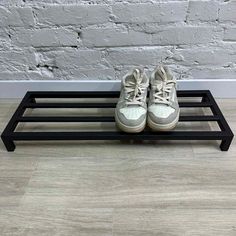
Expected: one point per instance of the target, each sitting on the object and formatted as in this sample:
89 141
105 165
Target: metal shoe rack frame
9 135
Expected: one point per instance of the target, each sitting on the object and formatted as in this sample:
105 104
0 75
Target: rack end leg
225 144
9 144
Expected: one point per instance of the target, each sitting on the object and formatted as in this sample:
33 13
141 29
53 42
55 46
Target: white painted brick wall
102 39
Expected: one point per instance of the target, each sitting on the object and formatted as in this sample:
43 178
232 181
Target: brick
89 74
79 58
73 14
140 56
186 35
230 34
16 16
203 56
227 12
203 11
10 2
146 12
17 60
108 37
45 37
213 73
20 75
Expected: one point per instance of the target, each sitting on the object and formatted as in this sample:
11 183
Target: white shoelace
162 95
134 91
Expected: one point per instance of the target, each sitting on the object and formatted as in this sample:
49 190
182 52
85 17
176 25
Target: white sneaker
163 107
131 109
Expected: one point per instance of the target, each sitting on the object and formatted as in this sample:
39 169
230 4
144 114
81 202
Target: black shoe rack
10 134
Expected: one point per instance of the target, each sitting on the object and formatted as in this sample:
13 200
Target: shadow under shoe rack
9 135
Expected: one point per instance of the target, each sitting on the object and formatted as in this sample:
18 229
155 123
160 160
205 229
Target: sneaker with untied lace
131 109
163 107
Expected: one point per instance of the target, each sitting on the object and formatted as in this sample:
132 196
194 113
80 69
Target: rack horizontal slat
101 118
73 94
198 118
192 93
70 105
102 94
67 119
194 104
101 105
146 135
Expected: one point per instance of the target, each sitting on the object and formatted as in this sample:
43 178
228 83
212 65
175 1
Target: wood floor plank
56 221
171 222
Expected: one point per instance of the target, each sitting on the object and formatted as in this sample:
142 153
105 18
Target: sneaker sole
130 129
160 127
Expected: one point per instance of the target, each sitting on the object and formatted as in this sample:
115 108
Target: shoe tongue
135 78
132 81
161 73
160 77
138 75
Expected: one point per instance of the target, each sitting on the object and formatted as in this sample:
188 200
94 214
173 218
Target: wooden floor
121 189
